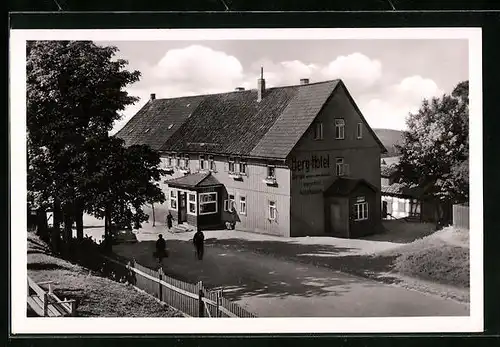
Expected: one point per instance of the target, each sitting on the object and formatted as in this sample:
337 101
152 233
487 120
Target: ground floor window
402 205
208 203
192 203
243 205
272 210
173 199
361 211
229 203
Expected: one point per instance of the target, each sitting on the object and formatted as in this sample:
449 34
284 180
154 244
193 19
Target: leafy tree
120 181
435 149
74 93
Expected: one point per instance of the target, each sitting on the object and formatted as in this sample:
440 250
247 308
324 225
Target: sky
388 79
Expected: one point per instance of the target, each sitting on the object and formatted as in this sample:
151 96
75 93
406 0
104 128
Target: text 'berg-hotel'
288 161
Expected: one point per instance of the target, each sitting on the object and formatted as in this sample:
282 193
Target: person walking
198 240
170 218
161 251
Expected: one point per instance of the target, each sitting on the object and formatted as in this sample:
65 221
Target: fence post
73 308
45 304
160 286
201 304
219 302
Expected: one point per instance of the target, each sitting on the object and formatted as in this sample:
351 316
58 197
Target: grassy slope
389 138
96 296
442 257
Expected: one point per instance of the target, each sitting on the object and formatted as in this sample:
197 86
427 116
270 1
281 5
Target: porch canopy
194 181
344 186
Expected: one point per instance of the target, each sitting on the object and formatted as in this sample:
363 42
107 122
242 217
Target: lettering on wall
311 164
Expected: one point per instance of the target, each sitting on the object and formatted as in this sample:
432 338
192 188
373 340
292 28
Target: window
339 166
208 203
229 203
202 162
243 205
318 131
272 210
186 161
243 168
271 172
232 167
192 203
402 205
361 211
173 199
170 161
178 161
339 128
211 162
182 163
359 131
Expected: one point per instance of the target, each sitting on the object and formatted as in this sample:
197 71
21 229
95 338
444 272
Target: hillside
389 138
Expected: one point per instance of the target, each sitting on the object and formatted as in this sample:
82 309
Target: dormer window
339 129
318 131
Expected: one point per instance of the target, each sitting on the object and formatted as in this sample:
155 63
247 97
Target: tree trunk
42 225
79 220
153 206
56 229
107 229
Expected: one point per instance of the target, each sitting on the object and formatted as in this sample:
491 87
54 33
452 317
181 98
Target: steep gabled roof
158 120
195 180
294 121
233 123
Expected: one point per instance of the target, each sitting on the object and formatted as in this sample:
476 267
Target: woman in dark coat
170 218
198 240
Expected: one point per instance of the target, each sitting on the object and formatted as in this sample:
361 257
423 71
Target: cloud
393 104
356 70
197 69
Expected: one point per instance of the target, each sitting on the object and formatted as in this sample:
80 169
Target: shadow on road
245 268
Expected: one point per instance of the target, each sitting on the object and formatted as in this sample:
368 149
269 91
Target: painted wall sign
307 165
312 187
360 199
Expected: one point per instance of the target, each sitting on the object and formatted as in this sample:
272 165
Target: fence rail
192 299
461 216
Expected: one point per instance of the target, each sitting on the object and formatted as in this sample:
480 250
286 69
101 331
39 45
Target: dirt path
278 287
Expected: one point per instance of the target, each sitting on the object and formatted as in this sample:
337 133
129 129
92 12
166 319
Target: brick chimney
153 96
261 85
304 81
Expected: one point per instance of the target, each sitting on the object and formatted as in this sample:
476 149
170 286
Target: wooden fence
461 216
193 300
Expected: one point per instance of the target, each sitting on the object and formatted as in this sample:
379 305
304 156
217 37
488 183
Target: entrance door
335 219
182 207
384 209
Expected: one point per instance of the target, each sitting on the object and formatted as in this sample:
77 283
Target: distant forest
389 138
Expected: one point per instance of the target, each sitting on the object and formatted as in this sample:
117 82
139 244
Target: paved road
279 288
